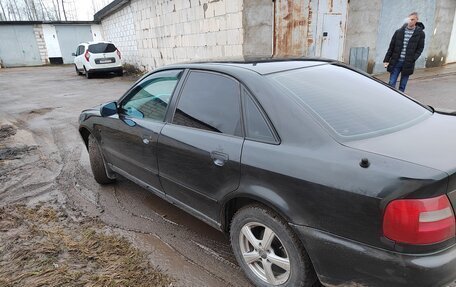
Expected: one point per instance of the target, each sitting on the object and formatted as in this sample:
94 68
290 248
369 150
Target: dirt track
42 159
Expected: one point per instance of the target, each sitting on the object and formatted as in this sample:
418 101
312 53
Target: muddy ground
42 159
44 169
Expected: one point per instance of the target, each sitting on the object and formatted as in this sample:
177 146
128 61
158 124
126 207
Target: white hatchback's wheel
77 70
268 250
87 74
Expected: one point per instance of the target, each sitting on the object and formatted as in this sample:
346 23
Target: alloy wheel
264 253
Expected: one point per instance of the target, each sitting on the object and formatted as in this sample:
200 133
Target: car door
79 55
200 150
129 138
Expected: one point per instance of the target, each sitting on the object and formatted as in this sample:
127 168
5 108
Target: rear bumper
342 262
106 70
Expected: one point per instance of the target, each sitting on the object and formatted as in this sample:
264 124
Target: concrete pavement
432 86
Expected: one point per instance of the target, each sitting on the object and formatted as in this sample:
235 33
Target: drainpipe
273 28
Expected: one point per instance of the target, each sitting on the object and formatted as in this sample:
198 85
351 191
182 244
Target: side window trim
175 97
246 93
175 100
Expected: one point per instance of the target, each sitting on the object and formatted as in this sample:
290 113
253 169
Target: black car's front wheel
97 163
268 250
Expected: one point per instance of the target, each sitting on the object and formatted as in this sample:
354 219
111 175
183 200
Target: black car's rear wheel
268 250
97 163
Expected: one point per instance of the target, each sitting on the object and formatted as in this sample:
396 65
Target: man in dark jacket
404 49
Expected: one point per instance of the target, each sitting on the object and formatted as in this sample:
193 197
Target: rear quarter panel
325 187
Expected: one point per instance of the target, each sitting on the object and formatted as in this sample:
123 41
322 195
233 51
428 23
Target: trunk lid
431 143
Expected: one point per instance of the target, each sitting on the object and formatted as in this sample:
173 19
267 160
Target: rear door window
100 48
211 102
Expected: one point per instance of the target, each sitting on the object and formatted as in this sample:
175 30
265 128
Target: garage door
69 38
18 46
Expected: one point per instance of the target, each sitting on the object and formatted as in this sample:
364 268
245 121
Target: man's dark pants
395 74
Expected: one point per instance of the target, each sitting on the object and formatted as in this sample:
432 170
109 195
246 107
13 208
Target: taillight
87 55
118 53
419 221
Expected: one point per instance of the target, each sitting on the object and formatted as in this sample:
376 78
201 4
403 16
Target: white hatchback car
97 57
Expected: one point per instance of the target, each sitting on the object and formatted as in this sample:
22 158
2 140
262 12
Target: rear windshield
102 48
349 104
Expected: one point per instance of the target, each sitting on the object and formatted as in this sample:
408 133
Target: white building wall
38 30
119 28
97 32
451 57
166 32
51 40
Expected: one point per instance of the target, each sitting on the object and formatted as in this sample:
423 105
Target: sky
85 9
75 10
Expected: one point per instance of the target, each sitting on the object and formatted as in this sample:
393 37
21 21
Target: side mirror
73 54
108 109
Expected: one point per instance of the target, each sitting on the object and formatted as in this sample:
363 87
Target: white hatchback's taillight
87 55
118 54
419 221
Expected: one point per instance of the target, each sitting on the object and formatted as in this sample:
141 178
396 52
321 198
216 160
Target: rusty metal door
291 22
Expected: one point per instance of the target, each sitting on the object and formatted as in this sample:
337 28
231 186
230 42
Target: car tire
120 73
97 163
87 74
77 70
250 224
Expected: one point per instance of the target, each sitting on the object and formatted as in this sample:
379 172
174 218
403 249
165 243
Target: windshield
349 104
102 48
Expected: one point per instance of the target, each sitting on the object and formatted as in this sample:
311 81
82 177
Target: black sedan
316 171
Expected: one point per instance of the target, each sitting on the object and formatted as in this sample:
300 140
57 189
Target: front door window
150 98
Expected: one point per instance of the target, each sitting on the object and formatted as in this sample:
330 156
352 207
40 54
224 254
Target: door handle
219 158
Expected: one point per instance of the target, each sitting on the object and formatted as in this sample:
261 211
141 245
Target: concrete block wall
362 28
443 24
39 36
119 28
177 31
258 20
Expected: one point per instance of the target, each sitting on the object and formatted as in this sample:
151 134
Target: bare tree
3 15
28 11
35 10
63 9
12 13
57 9
45 11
